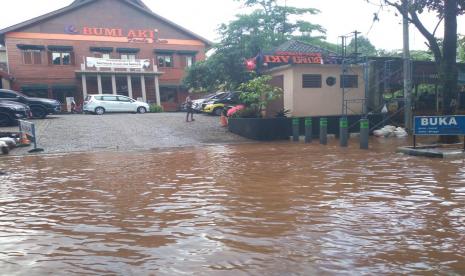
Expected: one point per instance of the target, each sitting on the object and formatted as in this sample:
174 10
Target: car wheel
5 120
141 110
99 110
38 112
218 111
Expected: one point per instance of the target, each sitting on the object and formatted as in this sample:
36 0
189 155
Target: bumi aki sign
439 125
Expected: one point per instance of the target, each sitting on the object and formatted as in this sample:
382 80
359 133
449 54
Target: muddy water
260 209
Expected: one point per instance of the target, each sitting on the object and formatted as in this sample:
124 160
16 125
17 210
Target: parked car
217 106
197 104
101 103
40 107
11 112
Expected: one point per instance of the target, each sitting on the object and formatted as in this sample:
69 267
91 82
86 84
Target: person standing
189 108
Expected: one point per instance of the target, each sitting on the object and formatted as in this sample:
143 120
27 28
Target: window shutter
27 57
72 58
311 81
183 62
349 81
50 58
37 57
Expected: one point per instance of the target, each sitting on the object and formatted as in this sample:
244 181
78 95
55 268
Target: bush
154 108
248 112
256 95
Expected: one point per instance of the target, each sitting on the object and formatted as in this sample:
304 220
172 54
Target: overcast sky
338 17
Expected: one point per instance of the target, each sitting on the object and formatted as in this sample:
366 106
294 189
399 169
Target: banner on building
93 62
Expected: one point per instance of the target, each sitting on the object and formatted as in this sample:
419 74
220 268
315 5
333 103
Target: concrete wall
326 100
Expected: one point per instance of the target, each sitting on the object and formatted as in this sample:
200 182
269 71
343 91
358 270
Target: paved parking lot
75 133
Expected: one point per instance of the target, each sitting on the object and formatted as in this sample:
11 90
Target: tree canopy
267 26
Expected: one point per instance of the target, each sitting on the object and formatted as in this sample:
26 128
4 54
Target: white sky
339 17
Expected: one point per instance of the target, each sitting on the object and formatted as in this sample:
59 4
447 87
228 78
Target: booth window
311 81
165 60
61 58
32 56
349 81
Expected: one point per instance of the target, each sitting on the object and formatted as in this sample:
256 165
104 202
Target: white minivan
101 103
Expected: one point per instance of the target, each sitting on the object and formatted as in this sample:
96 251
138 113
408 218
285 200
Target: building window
168 94
165 60
128 56
311 81
32 57
102 55
349 81
61 58
189 61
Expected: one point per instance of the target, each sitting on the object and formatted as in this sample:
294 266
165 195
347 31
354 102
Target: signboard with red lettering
133 35
293 58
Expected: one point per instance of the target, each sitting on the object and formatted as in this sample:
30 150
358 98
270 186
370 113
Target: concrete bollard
308 130
343 132
295 130
323 131
364 133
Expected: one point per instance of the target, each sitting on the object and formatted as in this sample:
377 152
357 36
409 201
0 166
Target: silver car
101 103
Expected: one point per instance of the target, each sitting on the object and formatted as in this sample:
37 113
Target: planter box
269 129
262 129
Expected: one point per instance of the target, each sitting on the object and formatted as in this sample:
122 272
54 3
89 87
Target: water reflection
242 209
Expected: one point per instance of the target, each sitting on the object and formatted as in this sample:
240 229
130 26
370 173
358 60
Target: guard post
323 131
364 133
295 129
343 131
308 130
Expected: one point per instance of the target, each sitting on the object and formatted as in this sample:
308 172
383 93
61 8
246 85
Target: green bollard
343 132
308 130
364 133
323 131
295 130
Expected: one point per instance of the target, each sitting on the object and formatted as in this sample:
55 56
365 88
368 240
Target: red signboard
294 58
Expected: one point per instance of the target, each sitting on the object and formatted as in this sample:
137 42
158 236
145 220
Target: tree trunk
448 74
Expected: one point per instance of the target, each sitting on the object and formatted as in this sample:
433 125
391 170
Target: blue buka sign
439 125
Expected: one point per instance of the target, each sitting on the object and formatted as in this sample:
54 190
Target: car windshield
221 96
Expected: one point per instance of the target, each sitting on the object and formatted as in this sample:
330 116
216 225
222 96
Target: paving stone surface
81 133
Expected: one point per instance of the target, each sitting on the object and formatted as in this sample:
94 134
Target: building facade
102 46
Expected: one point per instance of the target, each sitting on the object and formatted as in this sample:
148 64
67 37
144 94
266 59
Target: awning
128 50
60 48
56 87
32 87
193 53
160 51
30 47
101 49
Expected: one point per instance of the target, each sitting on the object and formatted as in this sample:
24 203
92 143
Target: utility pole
407 69
356 42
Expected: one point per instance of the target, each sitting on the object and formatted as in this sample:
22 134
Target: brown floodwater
255 209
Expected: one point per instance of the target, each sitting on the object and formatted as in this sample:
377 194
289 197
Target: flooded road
255 209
